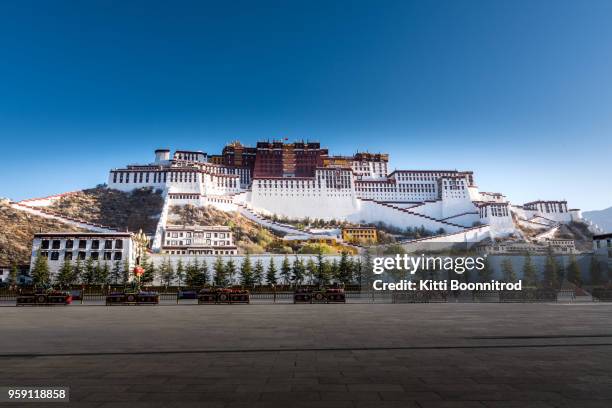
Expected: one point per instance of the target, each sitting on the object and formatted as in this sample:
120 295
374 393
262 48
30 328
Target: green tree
334 270
150 271
102 273
40 271
246 272
285 271
560 267
344 269
367 274
220 277
125 273
529 273
573 271
551 279
89 273
77 271
180 272
116 273
65 274
298 271
357 268
230 271
311 270
258 272
486 273
320 269
328 271
271 273
595 272
202 273
508 270
13 279
191 273
166 272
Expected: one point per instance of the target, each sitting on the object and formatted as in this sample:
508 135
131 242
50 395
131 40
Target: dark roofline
189 151
82 234
431 171
546 201
602 236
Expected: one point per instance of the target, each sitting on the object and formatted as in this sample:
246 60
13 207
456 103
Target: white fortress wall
474 194
429 208
466 219
298 204
468 236
159 259
557 217
128 180
161 224
372 212
499 217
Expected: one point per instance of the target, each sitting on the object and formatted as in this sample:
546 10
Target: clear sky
520 92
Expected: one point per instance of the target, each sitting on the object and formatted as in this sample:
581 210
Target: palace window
68 256
69 243
45 244
54 256
81 255
95 244
107 256
95 256
82 244
108 244
44 254
118 244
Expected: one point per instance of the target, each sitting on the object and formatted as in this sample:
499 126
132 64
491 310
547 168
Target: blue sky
520 92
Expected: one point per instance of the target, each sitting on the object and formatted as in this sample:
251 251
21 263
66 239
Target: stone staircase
408 211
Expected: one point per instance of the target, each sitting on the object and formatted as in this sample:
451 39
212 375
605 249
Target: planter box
205 298
243 297
602 294
223 296
318 296
142 298
147 298
335 296
528 295
26 300
44 299
302 297
115 298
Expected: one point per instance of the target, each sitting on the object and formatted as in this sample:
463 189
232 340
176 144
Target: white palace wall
429 208
297 204
467 220
564 217
372 212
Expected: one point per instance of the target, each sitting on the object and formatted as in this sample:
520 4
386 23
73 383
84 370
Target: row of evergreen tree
554 272
199 273
295 272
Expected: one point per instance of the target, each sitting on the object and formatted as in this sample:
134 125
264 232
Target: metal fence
284 297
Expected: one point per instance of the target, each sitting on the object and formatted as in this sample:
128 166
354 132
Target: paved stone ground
354 355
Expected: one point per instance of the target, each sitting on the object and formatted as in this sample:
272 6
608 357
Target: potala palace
301 179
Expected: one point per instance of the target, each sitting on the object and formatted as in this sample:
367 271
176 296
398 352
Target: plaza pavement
352 355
